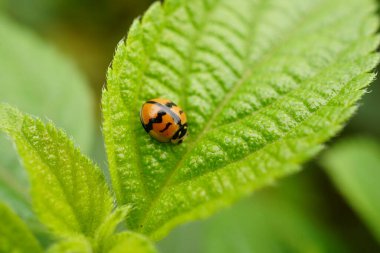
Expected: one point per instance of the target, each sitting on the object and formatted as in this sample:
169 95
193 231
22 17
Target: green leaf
107 229
129 242
69 192
263 83
105 240
354 166
72 245
14 234
38 79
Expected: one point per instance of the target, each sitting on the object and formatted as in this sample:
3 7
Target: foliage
39 80
354 166
264 84
13 231
69 193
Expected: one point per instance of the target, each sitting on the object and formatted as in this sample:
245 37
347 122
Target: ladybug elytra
164 120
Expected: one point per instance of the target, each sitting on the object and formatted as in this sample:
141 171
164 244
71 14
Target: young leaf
77 244
69 192
128 242
14 234
105 240
354 166
263 83
107 229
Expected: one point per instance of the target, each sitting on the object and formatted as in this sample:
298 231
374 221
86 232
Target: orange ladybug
164 120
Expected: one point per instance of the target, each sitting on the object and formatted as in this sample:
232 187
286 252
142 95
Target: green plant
264 85
38 79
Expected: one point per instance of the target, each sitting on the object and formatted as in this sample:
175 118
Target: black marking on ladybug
157 119
175 136
170 104
180 112
166 108
181 132
166 127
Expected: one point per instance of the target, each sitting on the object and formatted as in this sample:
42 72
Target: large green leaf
14 234
264 84
354 166
69 192
39 80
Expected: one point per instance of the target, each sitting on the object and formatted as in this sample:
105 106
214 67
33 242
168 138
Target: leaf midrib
135 142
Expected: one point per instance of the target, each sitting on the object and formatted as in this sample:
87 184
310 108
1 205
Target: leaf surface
354 166
263 83
14 234
69 192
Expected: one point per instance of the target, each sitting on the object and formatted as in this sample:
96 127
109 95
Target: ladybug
164 120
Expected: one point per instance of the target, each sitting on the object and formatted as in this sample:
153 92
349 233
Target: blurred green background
67 45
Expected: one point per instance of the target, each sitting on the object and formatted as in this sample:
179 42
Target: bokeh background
302 213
